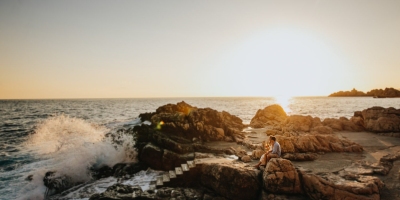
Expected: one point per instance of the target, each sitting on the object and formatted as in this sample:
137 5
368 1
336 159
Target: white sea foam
70 147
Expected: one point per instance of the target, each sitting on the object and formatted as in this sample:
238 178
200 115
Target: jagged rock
280 176
316 143
186 121
381 120
331 186
56 183
300 123
231 181
123 169
342 124
270 115
179 130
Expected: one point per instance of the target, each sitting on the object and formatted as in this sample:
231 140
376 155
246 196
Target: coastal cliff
377 93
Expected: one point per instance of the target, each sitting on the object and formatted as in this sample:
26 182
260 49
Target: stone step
159 181
178 171
166 177
185 167
172 174
191 164
152 185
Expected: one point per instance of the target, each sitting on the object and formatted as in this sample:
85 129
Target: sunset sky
132 49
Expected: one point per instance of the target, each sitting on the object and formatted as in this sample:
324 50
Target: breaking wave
70 147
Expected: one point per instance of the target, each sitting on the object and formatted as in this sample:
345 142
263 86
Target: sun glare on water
284 102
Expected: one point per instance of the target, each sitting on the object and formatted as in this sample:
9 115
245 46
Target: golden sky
119 49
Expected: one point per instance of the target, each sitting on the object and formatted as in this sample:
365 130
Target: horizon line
83 98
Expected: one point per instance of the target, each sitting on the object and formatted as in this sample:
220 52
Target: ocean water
68 136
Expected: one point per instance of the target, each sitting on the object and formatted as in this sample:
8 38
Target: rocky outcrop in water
177 131
379 93
56 183
276 117
380 120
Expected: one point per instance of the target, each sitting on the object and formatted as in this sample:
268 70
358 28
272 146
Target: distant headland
376 93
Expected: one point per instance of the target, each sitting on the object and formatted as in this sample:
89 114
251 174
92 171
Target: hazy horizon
193 49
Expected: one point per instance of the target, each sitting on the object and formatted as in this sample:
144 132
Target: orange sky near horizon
140 49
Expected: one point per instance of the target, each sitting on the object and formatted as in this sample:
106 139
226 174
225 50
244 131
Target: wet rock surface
126 192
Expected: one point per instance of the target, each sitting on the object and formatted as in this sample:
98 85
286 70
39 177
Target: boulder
56 183
316 143
299 123
186 121
270 115
231 181
280 176
178 130
381 120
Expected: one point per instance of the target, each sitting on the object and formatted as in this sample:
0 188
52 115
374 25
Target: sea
70 135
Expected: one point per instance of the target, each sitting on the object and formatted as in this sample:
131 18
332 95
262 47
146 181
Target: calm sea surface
56 120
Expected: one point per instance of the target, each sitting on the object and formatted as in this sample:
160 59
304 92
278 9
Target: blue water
20 118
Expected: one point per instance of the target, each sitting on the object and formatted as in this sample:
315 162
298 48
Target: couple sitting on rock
274 152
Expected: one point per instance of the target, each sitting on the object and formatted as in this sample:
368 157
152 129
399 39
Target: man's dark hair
273 138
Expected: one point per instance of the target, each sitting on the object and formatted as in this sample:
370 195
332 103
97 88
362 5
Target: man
274 152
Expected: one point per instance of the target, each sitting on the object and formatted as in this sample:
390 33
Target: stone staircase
172 175
177 176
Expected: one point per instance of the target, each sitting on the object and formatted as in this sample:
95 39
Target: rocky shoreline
206 154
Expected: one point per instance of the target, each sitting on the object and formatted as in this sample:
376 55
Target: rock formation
126 192
270 115
381 120
180 132
177 131
233 182
280 176
276 117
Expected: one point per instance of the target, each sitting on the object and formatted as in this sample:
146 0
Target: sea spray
70 147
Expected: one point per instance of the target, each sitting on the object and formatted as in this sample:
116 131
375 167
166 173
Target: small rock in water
29 178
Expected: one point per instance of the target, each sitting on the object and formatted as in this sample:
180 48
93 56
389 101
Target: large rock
343 124
316 143
186 121
233 182
56 182
381 120
280 176
331 186
270 115
179 130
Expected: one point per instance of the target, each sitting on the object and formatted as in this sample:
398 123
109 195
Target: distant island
376 93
